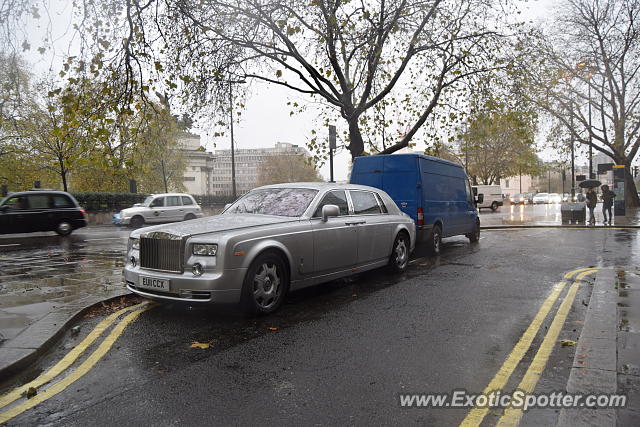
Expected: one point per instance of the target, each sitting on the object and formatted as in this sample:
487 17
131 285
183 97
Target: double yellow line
134 312
512 416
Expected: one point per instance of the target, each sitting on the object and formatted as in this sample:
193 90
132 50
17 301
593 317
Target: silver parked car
157 208
273 239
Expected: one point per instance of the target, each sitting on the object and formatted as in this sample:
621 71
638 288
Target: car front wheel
137 222
265 285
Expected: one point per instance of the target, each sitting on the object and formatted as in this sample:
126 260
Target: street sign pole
332 146
618 188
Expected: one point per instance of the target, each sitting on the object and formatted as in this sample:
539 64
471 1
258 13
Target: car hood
213 224
134 210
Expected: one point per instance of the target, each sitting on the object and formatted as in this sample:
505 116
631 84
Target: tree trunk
63 174
356 145
630 191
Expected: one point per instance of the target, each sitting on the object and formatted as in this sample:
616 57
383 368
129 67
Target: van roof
423 156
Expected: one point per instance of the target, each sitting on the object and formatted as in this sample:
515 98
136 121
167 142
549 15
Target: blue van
434 192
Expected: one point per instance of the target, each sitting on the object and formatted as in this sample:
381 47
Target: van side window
338 198
173 200
470 193
186 201
364 202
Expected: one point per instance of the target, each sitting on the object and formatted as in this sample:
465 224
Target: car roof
23 193
170 194
320 186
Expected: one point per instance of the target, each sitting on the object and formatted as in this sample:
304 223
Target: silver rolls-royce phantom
271 240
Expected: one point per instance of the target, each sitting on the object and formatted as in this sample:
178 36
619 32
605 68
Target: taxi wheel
137 222
64 228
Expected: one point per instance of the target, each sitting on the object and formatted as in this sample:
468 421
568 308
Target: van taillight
420 216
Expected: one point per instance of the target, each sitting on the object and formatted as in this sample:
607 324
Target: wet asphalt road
340 353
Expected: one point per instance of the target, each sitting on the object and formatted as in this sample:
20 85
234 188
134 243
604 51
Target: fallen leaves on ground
108 307
568 343
202 345
273 328
31 391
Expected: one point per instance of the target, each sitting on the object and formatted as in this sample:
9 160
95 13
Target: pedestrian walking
592 201
607 203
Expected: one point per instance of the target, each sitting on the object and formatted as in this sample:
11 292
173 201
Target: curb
13 367
575 227
594 368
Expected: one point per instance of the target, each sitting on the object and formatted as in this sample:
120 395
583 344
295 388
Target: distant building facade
210 172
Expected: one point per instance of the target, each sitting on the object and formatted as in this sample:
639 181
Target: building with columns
209 173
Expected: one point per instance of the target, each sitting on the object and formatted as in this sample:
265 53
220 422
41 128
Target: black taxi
42 210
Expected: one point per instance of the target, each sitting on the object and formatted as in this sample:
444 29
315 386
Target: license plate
154 283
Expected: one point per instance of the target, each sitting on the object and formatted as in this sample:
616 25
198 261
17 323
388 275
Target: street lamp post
233 156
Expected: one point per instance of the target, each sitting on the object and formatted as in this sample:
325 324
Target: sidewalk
607 358
546 216
42 294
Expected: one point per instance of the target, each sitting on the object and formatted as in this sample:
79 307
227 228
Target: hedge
113 202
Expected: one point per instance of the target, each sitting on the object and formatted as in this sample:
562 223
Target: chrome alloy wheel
401 254
266 285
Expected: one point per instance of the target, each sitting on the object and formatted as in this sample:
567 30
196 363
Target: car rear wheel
137 222
265 285
189 217
64 228
435 240
399 259
494 206
475 235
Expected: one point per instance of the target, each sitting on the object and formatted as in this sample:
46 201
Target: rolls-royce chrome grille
161 254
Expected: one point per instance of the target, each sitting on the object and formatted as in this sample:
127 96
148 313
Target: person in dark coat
592 201
607 203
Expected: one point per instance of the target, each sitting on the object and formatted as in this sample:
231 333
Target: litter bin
573 212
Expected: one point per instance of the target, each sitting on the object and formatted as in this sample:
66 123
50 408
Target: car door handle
356 223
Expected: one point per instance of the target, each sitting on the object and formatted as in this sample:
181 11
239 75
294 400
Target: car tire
137 221
494 206
399 259
434 245
189 217
64 228
265 285
474 236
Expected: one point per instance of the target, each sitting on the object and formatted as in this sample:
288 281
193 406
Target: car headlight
135 243
206 249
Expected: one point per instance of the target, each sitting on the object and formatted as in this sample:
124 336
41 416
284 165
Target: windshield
147 201
291 202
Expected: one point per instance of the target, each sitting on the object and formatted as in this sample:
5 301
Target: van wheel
475 235
64 228
494 206
265 285
399 259
435 240
137 222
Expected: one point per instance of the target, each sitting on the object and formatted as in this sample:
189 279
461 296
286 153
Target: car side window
39 201
364 202
173 201
186 201
338 198
382 205
60 201
16 203
157 203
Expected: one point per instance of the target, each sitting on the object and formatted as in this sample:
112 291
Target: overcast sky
266 119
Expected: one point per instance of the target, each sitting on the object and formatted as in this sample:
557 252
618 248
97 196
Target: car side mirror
480 199
329 211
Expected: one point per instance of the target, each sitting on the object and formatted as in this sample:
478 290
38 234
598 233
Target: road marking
78 373
68 359
10 244
512 416
477 414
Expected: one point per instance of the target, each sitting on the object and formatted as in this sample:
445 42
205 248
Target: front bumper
117 219
212 287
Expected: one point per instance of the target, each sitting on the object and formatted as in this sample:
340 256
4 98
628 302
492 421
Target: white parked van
492 196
